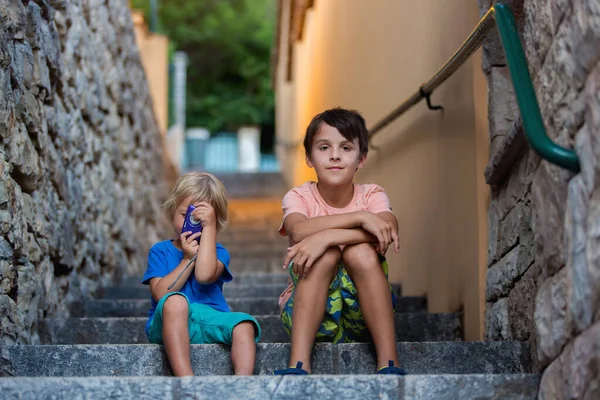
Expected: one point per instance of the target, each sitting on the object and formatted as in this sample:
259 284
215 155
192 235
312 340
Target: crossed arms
313 236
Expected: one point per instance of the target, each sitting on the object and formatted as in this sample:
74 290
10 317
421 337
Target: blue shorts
205 324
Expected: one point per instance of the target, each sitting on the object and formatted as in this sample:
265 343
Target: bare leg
362 263
176 336
310 298
243 348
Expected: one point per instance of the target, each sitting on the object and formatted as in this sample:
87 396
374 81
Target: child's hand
306 253
189 244
205 213
384 231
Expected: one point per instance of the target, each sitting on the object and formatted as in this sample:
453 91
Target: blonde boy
191 309
339 233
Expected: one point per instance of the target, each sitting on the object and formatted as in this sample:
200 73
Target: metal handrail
535 133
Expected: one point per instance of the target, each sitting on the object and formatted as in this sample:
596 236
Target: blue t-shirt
164 257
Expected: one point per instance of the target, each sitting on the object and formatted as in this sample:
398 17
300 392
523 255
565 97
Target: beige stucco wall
154 52
370 56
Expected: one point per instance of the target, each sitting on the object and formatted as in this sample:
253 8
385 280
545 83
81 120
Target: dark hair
348 122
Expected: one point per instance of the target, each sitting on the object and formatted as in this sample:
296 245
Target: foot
297 370
391 370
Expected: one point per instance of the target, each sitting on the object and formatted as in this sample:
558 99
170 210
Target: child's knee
244 330
332 256
360 256
175 304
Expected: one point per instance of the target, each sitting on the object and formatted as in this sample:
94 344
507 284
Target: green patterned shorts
343 321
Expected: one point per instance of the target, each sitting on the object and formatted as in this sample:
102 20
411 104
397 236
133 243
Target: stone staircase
102 351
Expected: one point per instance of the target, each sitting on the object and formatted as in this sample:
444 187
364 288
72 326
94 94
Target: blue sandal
391 370
297 370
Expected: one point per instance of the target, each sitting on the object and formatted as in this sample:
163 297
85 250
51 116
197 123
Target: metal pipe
533 124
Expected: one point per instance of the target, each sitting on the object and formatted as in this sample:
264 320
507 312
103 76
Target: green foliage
228 43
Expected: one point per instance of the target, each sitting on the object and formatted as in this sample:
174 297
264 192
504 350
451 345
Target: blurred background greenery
228 44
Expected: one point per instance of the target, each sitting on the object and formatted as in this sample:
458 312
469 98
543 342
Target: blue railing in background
220 153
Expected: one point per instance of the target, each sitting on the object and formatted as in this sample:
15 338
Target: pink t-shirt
307 200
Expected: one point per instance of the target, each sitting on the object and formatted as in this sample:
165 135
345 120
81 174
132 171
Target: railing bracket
427 97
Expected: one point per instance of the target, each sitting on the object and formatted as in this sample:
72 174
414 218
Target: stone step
258 278
231 291
410 327
355 358
254 306
347 387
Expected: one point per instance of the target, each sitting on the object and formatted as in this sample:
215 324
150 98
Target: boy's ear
361 161
309 162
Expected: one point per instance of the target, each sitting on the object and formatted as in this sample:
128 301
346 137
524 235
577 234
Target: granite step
258 278
255 306
231 291
211 359
410 327
354 387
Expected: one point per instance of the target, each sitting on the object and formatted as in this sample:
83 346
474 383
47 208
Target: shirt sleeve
157 265
225 258
292 203
377 200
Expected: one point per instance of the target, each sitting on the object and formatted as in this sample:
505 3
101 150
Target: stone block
24 158
521 306
552 320
574 375
549 198
503 109
7 114
537 32
358 387
8 276
586 146
485 387
355 358
502 276
410 327
29 291
515 228
10 325
496 321
582 287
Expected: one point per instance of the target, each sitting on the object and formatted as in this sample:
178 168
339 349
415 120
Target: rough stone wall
543 282
80 157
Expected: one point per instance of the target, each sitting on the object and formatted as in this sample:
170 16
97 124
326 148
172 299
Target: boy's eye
323 147
346 148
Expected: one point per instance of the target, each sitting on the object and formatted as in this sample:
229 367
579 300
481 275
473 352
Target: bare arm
208 269
159 286
299 227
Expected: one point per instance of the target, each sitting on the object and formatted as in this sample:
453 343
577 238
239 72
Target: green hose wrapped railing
501 17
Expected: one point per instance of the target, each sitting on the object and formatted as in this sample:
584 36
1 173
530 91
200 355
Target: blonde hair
200 186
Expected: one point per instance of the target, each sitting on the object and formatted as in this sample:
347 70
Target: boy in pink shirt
339 233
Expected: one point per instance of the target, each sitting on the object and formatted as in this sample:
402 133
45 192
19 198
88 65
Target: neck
336 196
177 243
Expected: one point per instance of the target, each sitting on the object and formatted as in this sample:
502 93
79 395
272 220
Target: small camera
191 224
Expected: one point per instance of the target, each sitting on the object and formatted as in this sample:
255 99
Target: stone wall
80 157
543 282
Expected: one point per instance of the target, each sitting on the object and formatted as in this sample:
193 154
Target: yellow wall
154 53
370 56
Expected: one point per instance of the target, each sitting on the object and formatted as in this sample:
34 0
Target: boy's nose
334 156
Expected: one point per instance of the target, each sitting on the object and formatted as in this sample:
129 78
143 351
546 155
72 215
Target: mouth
335 168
